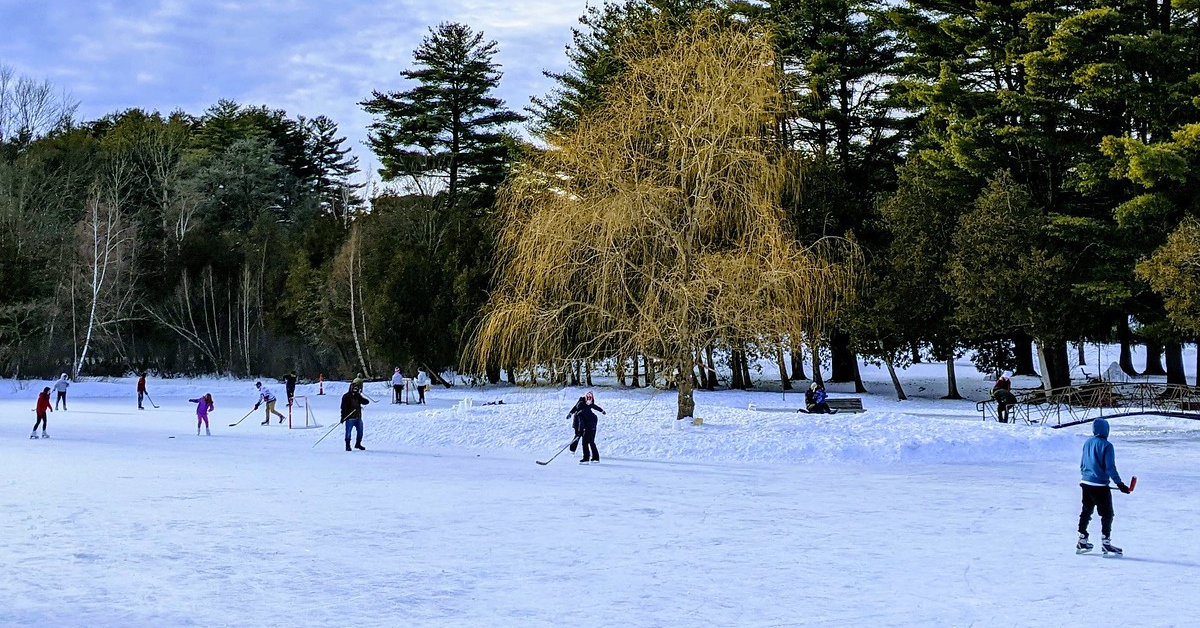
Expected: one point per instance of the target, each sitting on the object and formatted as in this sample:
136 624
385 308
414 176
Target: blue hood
1100 428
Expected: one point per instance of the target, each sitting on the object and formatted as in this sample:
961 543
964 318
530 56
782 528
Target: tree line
925 179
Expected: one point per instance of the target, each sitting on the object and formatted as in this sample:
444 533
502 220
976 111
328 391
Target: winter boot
1108 548
358 444
348 445
1083 545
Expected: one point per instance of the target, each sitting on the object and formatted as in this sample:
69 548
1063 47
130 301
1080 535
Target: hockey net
300 414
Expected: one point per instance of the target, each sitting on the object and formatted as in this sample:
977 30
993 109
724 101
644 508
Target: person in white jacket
422 383
60 387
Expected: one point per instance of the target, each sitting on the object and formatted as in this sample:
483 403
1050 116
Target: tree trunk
710 377
783 374
1023 353
649 371
816 363
687 404
493 373
798 362
1175 374
1197 364
1056 370
746 371
621 371
1125 335
951 381
735 370
1082 357
635 372
900 396
587 369
842 359
1154 365
914 349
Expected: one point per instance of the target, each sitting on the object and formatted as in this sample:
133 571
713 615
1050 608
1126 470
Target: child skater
204 405
43 406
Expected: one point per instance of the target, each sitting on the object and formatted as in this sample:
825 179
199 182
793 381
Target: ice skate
33 435
1083 546
45 435
206 432
1107 547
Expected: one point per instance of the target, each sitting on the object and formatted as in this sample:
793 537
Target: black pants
62 396
589 445
397 393
1097 498
41 420
421 391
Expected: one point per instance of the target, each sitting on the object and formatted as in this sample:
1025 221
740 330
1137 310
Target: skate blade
1082 550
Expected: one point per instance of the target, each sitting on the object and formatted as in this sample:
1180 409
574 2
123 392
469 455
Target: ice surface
912 514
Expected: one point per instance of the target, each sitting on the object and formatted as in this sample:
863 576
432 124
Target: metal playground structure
1073 405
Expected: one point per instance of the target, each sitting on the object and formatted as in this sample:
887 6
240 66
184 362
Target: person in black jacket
584 421
289 383
352 403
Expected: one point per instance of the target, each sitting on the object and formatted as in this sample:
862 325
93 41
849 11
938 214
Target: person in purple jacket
204 405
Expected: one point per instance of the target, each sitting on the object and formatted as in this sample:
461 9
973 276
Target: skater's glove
256 406
1123 488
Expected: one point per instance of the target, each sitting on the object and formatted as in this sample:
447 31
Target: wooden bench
845 404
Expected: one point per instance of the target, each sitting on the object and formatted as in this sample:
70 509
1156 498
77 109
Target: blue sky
303 56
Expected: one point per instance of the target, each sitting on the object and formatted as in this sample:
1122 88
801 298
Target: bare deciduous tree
654 227
31 107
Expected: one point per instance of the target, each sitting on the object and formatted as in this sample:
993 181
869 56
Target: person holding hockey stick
266 396
585 422
1097 466
352 403
204 405
141 389
43 406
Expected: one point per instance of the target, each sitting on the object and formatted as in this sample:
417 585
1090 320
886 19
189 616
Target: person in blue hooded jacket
1097 467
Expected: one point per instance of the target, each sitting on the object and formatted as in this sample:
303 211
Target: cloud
305 57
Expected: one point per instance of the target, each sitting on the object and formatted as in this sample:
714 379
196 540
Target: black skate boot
1107 547
1083 546
358 444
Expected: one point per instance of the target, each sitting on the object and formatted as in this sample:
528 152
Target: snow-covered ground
914 513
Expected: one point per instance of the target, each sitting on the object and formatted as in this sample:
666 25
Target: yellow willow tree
654 225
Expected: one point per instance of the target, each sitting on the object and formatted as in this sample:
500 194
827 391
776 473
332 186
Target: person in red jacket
43 406
141 387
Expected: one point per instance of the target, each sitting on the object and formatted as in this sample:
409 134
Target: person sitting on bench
1005 399
815 400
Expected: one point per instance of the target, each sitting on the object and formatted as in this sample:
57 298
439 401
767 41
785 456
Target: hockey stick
243 418
335 426
151 400
564 448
